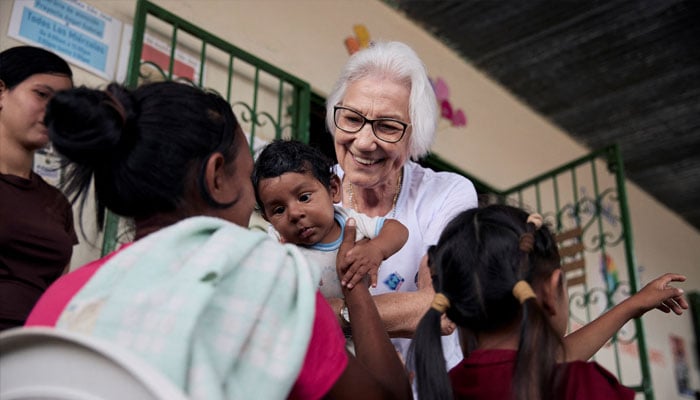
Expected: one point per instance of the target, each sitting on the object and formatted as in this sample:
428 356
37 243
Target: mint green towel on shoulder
224 312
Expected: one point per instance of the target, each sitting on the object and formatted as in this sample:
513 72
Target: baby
296 189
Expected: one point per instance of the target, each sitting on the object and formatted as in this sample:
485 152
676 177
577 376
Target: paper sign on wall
78 32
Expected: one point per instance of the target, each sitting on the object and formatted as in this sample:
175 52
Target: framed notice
80 33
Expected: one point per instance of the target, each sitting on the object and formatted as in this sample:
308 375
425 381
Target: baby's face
300 208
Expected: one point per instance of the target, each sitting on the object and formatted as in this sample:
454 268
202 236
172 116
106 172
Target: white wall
504 142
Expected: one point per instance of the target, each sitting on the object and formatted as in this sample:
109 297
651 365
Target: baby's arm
585 342
367 255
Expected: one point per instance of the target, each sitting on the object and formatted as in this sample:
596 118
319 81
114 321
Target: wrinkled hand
659 294
343 263
365 258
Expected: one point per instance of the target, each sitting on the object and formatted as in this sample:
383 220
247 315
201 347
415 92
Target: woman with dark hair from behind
36 219
222 311
496 272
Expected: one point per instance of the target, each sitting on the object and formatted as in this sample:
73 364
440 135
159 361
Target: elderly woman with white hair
383 115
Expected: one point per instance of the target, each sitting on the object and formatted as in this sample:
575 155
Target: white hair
398 62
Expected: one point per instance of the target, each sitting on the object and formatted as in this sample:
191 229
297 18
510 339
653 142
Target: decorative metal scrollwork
148 69
260 119
598 218
595 302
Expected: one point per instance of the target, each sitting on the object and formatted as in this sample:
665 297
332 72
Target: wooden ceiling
617 71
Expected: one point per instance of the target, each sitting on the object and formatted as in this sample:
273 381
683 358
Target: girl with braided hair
496 273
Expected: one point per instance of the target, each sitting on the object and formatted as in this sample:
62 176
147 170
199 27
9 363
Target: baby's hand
658 294
365 258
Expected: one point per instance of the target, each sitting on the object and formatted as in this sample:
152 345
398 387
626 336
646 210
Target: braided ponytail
485 263
425 354
535 365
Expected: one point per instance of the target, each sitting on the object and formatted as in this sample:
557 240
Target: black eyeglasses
385 129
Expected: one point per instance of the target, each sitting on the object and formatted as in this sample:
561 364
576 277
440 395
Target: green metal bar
173 47
132 73
574 184
304 112
301 127
598 205
229 85
557 206
280 96
647 386
202 60
254 111
109 238
538 197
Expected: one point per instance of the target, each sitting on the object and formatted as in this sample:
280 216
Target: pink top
325 360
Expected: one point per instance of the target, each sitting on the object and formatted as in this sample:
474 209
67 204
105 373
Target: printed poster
80 33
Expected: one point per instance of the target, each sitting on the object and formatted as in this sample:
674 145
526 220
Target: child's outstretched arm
585 342
376 372
367 255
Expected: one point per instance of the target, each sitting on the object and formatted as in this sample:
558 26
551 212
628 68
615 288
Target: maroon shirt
36 243
487 375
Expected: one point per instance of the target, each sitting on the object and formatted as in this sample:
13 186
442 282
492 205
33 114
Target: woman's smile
365 161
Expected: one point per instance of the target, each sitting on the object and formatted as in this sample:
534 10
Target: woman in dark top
36 221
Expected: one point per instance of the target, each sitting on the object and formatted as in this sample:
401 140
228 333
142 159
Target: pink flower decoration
442 91
459 119
446 109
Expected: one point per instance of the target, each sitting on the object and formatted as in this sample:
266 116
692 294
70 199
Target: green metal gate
589 193
269 102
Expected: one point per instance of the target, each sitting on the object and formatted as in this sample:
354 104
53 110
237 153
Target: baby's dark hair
282 156
476 264
143 146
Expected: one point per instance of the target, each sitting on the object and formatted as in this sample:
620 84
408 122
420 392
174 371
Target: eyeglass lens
351 121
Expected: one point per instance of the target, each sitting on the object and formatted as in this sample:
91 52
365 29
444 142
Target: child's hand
345 261
658 294
364 258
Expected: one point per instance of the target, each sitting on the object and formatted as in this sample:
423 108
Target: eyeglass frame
371 123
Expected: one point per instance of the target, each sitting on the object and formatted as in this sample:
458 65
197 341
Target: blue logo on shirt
394 281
